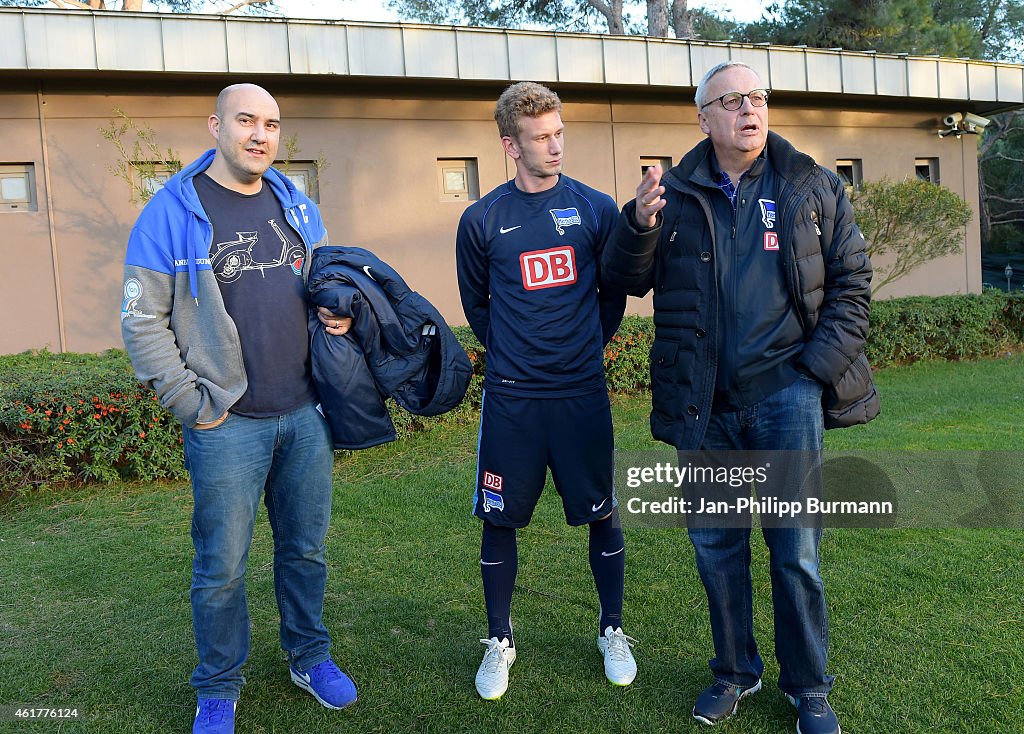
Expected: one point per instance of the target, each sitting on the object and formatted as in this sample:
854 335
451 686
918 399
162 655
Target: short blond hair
525 99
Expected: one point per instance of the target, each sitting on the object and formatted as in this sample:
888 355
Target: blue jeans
287 461
789 420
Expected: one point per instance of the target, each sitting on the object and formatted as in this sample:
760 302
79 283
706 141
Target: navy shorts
521 437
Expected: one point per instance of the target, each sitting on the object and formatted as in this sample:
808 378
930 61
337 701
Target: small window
654 160
150 178
156 181
305 176
850 172
17 187
927 169
457 179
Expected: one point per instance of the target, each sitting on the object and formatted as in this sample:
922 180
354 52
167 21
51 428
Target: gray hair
713 72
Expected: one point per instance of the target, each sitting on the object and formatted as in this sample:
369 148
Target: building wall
380 190
28 295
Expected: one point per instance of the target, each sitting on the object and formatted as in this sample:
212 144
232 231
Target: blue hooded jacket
179 336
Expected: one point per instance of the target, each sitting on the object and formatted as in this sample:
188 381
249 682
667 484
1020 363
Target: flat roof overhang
51 45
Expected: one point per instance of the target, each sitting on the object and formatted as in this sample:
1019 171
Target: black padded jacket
828 277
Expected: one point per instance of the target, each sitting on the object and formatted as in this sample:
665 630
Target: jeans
789 420
287 460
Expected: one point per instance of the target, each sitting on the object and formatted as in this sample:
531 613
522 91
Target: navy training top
529 277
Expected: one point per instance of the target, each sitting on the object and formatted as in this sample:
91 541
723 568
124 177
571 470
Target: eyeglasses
732 101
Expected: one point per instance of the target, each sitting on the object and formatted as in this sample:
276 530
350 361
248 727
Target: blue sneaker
215 716
327 683
814 715
719 701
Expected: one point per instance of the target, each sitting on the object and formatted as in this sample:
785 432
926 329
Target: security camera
976 120
958 123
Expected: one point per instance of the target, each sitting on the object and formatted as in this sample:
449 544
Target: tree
1001 160
174 6
708 26
140 160
990 29
911 221
617 16
556 14
859 25
995 27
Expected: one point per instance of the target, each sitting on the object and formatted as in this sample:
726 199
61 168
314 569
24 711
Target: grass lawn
925 624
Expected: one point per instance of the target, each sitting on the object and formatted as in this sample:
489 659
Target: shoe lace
214 710
721 689
814 704
325 672
618 645
494 658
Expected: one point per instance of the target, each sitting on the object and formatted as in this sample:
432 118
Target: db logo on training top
548 268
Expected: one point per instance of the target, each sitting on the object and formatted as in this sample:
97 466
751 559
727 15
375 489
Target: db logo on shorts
548 268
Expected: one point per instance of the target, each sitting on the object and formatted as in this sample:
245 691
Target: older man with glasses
761 289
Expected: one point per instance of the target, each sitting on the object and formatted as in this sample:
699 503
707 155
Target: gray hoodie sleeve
187 353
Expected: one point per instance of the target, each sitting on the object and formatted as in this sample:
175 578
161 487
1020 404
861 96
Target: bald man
214 318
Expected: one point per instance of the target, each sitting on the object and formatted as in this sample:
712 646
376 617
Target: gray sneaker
815 716
719 701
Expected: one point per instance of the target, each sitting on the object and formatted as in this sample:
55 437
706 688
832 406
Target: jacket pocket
663 360
853 399
672 375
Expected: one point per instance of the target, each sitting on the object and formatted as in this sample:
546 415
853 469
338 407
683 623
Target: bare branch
244 4
1004 157
1017 201
612 12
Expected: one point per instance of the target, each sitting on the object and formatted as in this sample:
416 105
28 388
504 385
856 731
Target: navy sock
608 564
499 563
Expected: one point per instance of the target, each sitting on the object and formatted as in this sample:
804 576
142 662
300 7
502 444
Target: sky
741 10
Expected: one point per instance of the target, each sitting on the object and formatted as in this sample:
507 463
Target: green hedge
945 327
82 417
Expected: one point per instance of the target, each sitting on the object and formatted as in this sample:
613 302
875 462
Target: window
927 169
150 177
305 176
457 179
155 180
647 161
17 187
850 172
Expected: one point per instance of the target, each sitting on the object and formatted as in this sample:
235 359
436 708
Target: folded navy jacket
399 346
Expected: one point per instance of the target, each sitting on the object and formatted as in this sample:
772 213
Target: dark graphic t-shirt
257 258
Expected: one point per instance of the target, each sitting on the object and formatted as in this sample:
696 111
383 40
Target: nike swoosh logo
502 230
495 563
606 555
304 676
595 508
366 269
